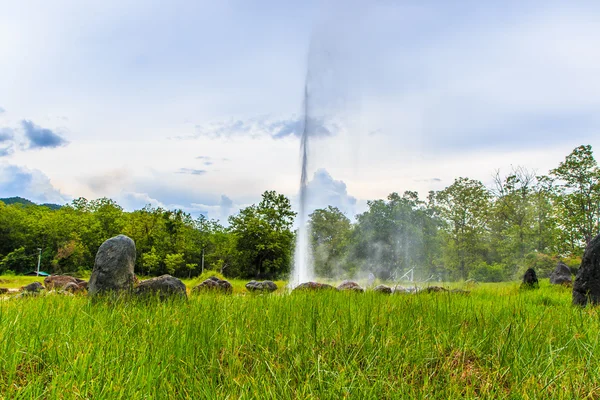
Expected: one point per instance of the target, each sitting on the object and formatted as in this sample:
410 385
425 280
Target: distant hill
26 202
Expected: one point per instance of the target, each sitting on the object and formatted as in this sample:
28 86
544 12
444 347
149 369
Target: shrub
484 272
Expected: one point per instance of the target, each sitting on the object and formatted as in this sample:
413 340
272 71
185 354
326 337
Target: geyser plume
303 270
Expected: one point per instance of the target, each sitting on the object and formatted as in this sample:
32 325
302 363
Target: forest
465 231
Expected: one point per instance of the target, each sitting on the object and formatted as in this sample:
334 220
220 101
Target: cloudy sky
199 104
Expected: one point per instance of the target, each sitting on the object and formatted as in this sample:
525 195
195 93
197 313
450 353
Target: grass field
496 342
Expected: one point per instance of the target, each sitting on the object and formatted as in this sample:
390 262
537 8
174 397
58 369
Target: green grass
496 343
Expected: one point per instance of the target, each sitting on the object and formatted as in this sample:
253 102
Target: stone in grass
33 287
313 287
73 287
586 288
530 280
382 289
58 281
213 284
113 267
350 286
264 286
433 289
165 286
561 275
3 290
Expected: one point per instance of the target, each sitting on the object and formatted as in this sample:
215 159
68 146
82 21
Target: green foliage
263 239
484 272
543 264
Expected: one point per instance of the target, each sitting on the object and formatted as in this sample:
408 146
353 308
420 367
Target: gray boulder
213 284
113 267
264 286
33 287
382 289
586 288
58 281
561 275
350 286
312 286
164 286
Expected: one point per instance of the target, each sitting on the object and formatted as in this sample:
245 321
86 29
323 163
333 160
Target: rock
350 286
113 267
530 280
73 287
586 288
264 286
434 289
382 289
214 284
83 285
405 290
313 286
3 290
164 286
561 275
33 287
58 281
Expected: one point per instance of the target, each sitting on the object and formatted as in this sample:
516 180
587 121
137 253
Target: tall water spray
303 270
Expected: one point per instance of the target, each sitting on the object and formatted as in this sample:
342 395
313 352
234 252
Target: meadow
497 342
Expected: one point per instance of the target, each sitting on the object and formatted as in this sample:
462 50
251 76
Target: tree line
465 231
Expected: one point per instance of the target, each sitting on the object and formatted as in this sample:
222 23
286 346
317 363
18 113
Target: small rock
164 286
313 286
382 289
33 287
586 288
58 281
530 280
264 286
113 267
73 287
3 290
350 286
434 289
561 275
214 284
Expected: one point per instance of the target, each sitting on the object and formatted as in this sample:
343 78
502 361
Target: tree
263 237
330 231
578 196
464 206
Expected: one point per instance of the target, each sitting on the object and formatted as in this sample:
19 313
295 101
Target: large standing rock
58 281
213 284
382 289
561 275
350 286
530 280
164 286
264 286
587 282
113 268
313 286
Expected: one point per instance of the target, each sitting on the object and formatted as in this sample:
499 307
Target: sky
199 104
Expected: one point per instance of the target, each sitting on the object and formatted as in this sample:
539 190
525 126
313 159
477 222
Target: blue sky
198 104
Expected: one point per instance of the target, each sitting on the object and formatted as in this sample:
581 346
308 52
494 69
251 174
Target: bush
484 272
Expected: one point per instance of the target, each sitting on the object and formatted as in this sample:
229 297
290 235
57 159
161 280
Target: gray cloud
264 126
30 184
191 171
6 151
6 134
428 180
41 137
